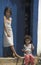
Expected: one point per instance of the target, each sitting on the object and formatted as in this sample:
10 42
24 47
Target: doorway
23 22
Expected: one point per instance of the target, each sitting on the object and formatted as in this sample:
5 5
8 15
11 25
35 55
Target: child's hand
32 47
22 50
8 35
25 51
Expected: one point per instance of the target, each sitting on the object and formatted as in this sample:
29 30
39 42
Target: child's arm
24 50
32 47
6 27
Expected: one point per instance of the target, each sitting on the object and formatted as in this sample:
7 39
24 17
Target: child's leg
14 52
5 51
32 59
26 60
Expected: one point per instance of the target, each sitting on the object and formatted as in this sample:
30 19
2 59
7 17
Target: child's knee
32 57
27 56
27 59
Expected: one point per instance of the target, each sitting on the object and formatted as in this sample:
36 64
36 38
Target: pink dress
29 58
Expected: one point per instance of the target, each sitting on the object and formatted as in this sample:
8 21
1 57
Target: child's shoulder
24 45
4 17
11 18
30 45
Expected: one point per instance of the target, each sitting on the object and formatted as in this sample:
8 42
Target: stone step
17 61
11 61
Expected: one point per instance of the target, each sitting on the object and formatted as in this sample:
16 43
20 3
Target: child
28 48
8 33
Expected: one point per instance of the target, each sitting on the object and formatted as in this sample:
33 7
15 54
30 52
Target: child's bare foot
16 55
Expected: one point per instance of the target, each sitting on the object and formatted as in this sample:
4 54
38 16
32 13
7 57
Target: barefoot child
8 33
28 48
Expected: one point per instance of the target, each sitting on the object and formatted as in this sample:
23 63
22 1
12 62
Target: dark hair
28 37
7 8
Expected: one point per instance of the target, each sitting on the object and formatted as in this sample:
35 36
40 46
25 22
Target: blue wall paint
13 6
20 26
35 22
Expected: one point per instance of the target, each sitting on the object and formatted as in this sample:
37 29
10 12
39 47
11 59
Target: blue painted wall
34 26
20 26
1 29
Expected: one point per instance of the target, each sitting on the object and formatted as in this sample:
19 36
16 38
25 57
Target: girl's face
8 14
27 41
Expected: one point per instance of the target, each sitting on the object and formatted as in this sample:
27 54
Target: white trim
39 30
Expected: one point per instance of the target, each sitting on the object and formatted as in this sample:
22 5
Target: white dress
28 49
8 41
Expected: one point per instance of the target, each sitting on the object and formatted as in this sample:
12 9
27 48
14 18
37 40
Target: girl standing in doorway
8 33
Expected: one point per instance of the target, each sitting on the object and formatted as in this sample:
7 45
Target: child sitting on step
28 48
